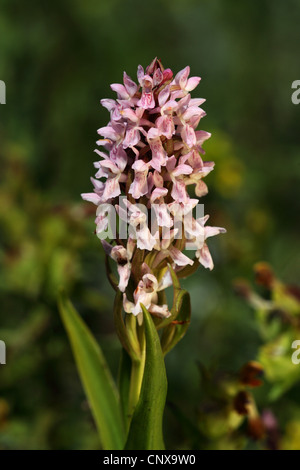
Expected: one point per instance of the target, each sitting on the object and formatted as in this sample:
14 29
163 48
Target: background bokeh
57 60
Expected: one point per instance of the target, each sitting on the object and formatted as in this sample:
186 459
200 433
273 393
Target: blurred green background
57 60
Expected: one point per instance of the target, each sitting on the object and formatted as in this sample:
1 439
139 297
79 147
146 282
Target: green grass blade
97 381
145 431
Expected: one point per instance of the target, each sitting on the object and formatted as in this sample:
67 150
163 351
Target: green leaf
145 431
95 376
173 332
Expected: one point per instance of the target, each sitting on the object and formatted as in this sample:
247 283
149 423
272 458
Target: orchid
150 176
154 156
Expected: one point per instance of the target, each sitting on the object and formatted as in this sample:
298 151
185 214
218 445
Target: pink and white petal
128 113
182 169
168 75
139 186
112 188
140 165
179 258
202 136
212 231
202 220
119 157
130 85
188 136
163 216
124 275
108 132
147 100
177 94
140 74
91 197
109 165
101 154
192 83
157 77
179 193
171 162
159 155
132 138
197 101
145 241
108 104
101 222
119 254
182 77
204 257
165 282
164 95
158 180
122 213
131 243
166 126
183 104
150 68
158 193
201 188
207 167
127 305
160 311
98 185
120 90
169 107
106 143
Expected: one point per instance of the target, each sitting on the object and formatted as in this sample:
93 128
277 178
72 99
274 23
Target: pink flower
176 174
200 234
126 91
147 99
182 84
150 154
146 294
139 187
159 155
122 256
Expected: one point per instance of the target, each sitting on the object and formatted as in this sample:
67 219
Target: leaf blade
95 376
145 431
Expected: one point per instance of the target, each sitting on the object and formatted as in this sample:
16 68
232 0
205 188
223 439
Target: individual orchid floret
139 186
138 225
182 84
159 154
147 99
126 91
122 256
199 235
146 294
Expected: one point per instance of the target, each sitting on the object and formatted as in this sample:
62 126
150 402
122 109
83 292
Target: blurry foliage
57 60
225 399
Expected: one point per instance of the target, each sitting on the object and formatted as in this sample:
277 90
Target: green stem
137 373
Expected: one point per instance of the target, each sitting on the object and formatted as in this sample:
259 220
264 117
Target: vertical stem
136 379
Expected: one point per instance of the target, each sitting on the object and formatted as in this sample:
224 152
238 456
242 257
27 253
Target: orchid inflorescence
152 156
